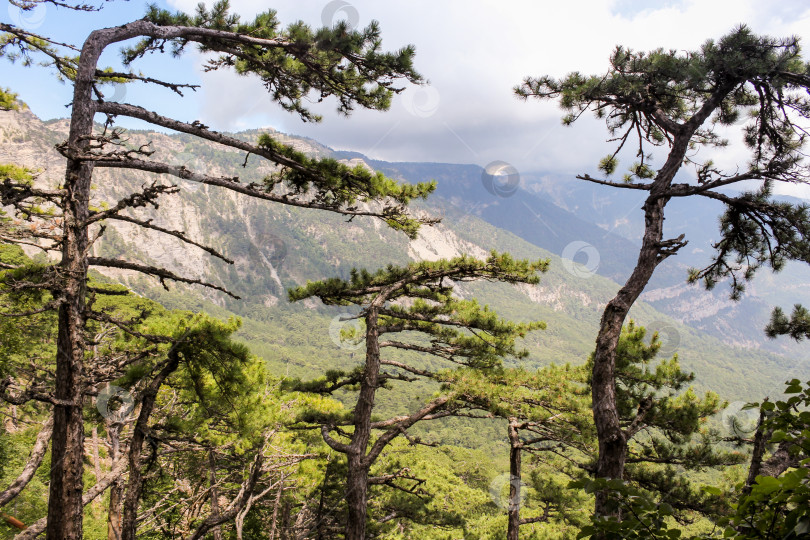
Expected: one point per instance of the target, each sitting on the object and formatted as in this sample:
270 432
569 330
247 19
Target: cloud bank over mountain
473 54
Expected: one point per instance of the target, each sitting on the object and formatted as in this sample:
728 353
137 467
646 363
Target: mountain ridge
276 247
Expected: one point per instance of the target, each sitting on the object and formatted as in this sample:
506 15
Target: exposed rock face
275 247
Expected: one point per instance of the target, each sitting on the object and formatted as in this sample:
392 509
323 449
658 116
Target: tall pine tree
678 101
412 308
292 63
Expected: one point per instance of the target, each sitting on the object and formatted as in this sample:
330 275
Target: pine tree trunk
513 526
212 477
612 439
129 521
66 483
117 487
67 447
356 498
357 475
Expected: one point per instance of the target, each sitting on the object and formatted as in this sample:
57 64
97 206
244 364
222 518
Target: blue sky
473 53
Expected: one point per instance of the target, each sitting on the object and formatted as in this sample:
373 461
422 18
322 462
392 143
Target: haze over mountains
276 247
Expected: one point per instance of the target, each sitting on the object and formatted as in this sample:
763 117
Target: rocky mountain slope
275 247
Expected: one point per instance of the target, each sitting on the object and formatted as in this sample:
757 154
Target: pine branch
175 87
161 273
399 424
34 460
623 185
147 224
388 213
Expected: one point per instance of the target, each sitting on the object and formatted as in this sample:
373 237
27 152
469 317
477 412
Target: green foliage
363 285
677 99
642 518
8 100
746 246
14 173
340 61
797 327
643 87
641 380
608 165
554 392
339 184
779 508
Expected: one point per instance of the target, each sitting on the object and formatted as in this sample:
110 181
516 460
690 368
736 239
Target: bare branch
161 273
34 461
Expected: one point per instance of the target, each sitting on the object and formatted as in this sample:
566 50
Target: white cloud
474 53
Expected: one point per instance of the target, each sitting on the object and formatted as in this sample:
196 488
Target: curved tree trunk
612 439
129 521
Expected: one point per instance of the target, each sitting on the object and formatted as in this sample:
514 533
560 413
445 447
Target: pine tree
293 63
664 422
191 393
678 101
545 413
775 500
412 308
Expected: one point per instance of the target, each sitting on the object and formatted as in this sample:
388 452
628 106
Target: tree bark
358 465
117 488
761 438
781 460
212 474
67 447
612 439
129 522
513 521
